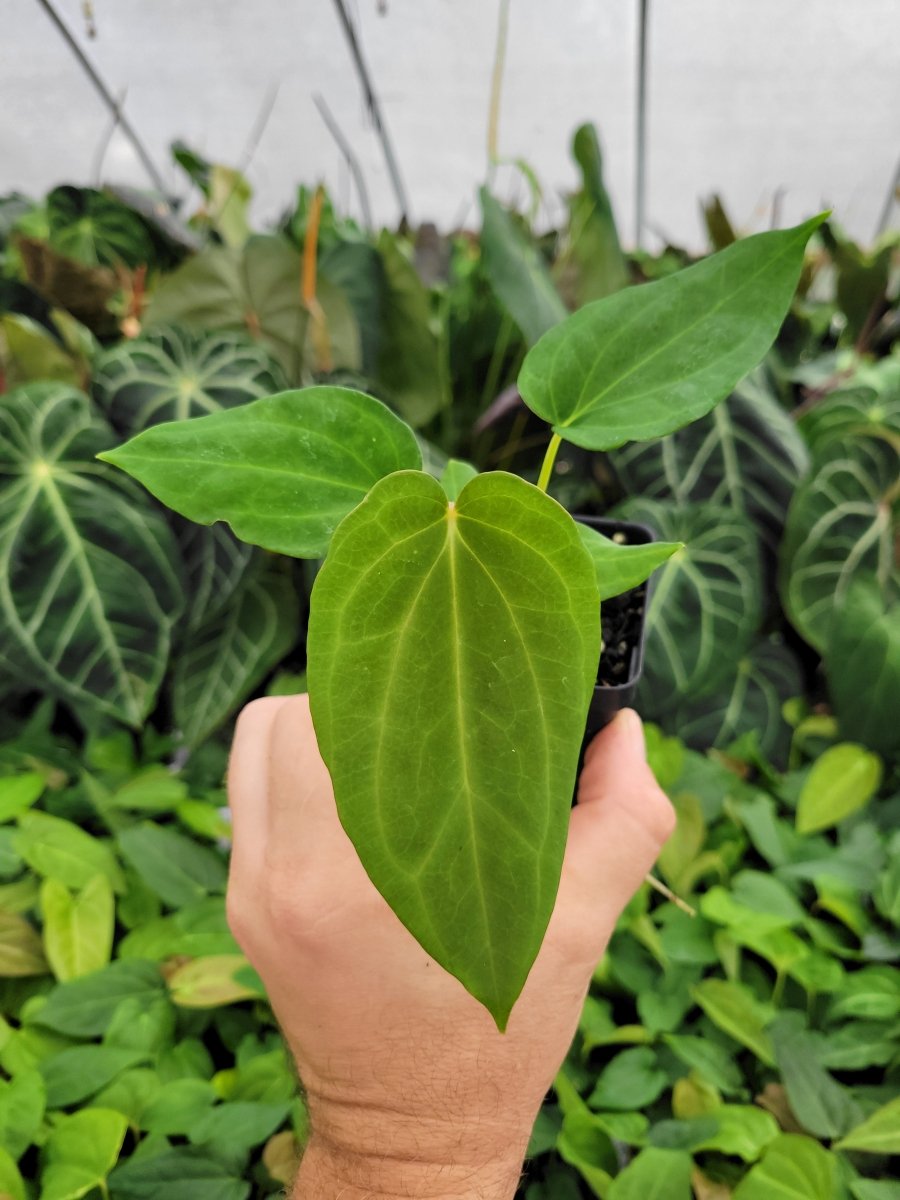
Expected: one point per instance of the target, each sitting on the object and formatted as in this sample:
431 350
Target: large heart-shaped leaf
707 601
851 412
647 360
96 229
517 273
746 455
172 374
842 525
256 290
282 471
230 654
862 662
457 643
215 562
88 568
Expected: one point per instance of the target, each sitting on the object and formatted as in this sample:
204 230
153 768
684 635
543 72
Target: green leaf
215 563
743 1131
848 413
231 654
88 569
408 370
177 1174
22 1102
12 1185
862 662
21 953
793 1168
619 567
18 793
517 273
707 1057
29 351
178 1107
153 789
236 1127
177 869
649 359
74 1074
78 930
95 229
356 268
878 1134
875 1189
632 1080
706 602
80 1152
872 994
282 471
212 981
819 1102
487 611
745 455
842 781
841 526
147 1025
733 1008
60 850
455 476
172 374
654 1175
84 1007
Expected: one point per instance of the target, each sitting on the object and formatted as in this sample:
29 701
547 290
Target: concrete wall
753 98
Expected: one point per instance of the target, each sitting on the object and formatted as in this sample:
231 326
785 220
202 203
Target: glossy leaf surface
457 644
282 471
619 568
647 360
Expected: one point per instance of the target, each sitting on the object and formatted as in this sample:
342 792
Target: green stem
549 459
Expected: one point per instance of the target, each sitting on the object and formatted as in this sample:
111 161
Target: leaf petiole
549 459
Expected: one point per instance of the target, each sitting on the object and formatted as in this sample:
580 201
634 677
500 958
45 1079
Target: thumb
619 824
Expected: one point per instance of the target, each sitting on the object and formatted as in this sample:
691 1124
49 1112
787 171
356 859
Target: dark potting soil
620 623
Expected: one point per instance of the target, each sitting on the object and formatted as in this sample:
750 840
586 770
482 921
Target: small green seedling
454 630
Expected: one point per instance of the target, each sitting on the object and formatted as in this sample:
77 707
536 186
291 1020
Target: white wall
749 97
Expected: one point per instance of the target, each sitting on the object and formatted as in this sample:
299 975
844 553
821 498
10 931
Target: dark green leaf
177 1174
654 1175
79 1072
177 869
84 1007
819 1102
631 1081
95 229
862 662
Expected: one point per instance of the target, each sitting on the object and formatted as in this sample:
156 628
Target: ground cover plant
777 645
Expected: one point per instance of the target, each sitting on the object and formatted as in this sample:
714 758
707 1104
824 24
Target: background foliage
753 1043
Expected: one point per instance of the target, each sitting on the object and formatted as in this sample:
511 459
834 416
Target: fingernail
630 728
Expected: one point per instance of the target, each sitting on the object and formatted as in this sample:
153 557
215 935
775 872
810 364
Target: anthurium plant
454 630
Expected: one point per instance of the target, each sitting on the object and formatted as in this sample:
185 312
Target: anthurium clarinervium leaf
456 644
619 568
88 567
282 471
647 360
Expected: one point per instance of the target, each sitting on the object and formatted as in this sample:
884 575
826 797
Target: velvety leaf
633 1080
84 1007
95 229
21 952
282 471
517 273
74 1074
733 1008
821 1105
841 526
355 267
488 613
654 1175
848 413
793 1168
862 662
211 981
227 657
177 1174
177 869
22 1103
171 374
649 359
78 929
745 455
215 563
878 1134
89 568
619 567
80 1152
59 849
842 781
706 602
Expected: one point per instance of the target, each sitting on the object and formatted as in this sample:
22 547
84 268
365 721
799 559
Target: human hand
412 1091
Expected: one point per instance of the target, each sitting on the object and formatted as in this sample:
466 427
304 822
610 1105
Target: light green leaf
862 662
733 1008
878 1134
88 569
22 1102
80 1152
872 994
654 1175
488 613
743 1130
841 526
153 789
78 930
875 1189
708 1058
147 1025
21 953
649 359
455 476
228 656
620 567
282 471
19 792
171 374
177 869
794 1168
28 351
84 1007
59 849
517 273
178 1107
842 780
12 1185
213 981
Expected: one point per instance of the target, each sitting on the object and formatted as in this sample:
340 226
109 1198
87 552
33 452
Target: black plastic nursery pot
623 622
